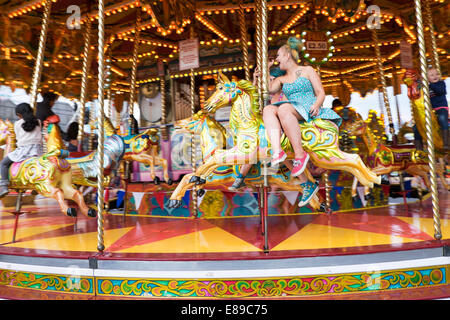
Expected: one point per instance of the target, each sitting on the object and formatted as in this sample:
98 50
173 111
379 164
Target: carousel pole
261 21
164 131
429 21
259 50
40 55
127 169
244 40
84 81
134 67
326 178
100 129
193 149
383 84
428 124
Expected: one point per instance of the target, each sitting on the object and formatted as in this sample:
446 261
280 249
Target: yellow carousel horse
384 160
144 148
319 137
213 137
49 174
415 93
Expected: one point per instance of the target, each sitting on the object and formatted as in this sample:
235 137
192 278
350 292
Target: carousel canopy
347 62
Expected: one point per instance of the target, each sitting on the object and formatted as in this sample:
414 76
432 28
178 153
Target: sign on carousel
189 54
317 46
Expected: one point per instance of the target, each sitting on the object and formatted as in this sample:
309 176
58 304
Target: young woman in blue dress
304 94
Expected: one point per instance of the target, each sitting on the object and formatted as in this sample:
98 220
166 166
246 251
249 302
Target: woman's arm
318 91
275 85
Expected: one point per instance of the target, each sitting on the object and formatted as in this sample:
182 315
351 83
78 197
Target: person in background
44 108
439 102
71 137
29 143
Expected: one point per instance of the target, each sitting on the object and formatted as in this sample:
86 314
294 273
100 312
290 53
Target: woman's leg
273 127
4 172
289 118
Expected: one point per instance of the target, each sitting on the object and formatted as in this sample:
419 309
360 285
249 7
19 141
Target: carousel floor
44 232
378 253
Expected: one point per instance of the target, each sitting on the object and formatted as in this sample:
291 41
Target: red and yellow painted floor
44 231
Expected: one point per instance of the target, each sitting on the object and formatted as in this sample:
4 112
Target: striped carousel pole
40 55
100 130
193 148
262 58
326 177
383 83
428 123
39 62
134 66
429 21
84 81
244 40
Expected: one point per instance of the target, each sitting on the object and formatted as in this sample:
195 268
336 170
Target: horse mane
250 89
54 139
109 127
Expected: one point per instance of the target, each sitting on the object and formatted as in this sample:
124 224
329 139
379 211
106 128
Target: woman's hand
314 112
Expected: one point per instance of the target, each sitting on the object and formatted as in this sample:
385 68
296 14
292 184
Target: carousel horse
415 93
319 137
84 169
144 148
213 137
384 160
49 174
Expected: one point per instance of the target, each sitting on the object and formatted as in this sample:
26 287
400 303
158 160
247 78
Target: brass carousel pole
164 131
258 50
134 67
428 125
326 178
100 130
193 148
429 21
383 84
84 81
127 171
244 40
40 55
263 52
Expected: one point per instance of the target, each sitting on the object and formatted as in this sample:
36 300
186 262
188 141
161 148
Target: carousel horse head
357 127
52 135
213 135
412 79
227 92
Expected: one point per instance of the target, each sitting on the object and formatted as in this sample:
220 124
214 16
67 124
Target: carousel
167 112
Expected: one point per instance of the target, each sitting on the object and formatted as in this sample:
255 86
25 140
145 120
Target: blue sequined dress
300 94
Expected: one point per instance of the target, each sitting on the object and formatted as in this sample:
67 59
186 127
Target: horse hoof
156 180
194 179
169 182
200 192
174 204
71 212
92 213
323 207
200 181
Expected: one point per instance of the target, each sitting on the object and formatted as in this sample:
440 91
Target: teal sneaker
309 190
238 184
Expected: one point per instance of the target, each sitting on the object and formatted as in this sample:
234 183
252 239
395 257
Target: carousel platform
373 253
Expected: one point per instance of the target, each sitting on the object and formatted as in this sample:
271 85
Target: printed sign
189 54
406 56
316 45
